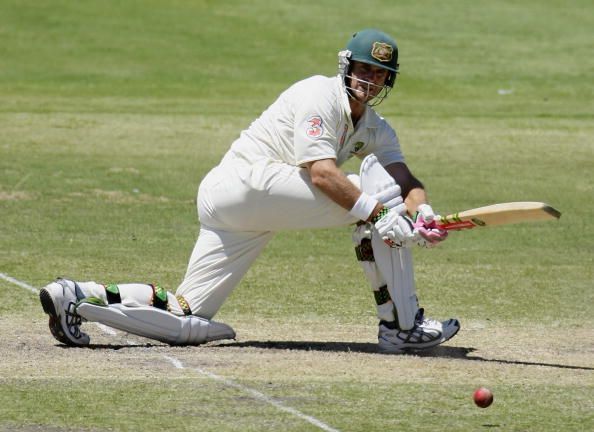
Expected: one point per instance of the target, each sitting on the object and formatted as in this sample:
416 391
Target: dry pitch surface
276 360
270 349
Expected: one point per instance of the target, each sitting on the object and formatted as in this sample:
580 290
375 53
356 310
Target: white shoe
59 300
426 333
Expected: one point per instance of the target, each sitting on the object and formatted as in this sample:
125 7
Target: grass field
111 113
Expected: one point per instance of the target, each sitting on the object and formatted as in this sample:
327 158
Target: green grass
166 406
112 112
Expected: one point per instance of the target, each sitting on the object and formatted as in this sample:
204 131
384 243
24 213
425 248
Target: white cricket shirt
311 120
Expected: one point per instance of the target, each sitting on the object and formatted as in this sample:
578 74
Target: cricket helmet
376 48
373 47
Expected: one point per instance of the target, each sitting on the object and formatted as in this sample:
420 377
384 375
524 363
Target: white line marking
104 328
256 395
179 365
19 283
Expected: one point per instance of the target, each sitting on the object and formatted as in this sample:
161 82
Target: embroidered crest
382 51
315 128
358 146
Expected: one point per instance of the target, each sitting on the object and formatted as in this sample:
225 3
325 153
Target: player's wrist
383 211
364 207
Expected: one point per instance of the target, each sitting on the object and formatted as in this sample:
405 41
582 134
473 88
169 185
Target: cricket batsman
283 173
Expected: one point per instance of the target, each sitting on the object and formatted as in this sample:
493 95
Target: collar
369 119
344 97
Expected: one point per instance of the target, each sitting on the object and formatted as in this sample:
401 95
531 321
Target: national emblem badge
382 51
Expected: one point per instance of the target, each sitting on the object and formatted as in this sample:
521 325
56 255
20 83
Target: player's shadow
114 347
441 351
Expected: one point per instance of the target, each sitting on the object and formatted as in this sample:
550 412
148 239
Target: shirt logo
382 51
315 128
358 146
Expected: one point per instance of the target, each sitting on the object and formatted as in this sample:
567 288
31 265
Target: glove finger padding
396 230
405 228
397 204
426 211
434 235
390 196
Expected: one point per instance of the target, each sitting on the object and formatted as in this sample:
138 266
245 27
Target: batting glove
395 229
425 226
426 212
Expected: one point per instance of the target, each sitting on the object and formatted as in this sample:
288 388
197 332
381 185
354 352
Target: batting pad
156 324
395 264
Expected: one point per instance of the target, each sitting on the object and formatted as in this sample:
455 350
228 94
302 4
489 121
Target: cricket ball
483 397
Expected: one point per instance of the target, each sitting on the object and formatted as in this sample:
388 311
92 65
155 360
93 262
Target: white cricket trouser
240 205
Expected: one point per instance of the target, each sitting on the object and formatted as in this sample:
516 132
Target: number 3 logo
315 128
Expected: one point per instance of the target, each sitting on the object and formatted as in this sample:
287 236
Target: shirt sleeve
316 117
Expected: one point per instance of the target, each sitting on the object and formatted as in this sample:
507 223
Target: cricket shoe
426 333
59 301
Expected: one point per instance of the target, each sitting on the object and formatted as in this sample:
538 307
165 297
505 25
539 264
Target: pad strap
184 305
364 251
159 297
382 295
385 305
112 292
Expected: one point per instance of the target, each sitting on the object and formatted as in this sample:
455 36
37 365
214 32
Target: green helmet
376 48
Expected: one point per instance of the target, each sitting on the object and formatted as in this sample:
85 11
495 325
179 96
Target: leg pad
155 323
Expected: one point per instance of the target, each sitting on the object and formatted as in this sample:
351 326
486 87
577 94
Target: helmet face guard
344 70
375 48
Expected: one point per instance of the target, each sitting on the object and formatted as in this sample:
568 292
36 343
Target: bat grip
449 226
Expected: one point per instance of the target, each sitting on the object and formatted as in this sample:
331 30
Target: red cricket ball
483 397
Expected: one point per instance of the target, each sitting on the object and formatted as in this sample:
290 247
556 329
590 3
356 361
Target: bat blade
499 214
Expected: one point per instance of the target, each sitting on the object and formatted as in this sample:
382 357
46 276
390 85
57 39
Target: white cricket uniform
261 187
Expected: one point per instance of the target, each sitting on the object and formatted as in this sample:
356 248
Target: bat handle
445 224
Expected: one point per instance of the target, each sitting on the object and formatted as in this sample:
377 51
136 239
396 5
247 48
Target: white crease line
19 283
34 290
178 364
256 394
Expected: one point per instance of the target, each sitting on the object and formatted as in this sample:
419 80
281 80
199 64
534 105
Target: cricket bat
499 214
